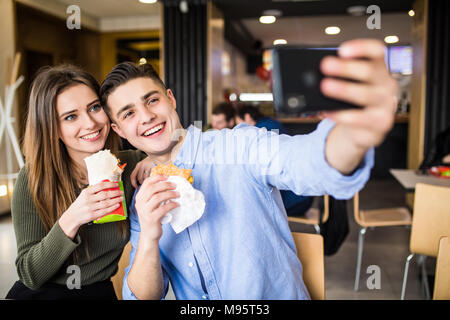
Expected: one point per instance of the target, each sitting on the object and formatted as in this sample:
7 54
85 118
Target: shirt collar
188 151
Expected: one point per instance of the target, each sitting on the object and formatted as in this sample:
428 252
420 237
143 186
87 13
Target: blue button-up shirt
242 247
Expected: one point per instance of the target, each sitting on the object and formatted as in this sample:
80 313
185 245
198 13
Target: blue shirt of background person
295 205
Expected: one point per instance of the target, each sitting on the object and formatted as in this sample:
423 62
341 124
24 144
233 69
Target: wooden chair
442 275
310 253
312 215
431 221
375 218
117 279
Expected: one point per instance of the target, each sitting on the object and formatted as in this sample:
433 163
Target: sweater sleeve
40 254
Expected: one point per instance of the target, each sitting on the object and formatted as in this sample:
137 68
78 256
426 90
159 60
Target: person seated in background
439 153
251 115
295 205
223 116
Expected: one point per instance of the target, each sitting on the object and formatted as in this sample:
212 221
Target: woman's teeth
91 136
153 130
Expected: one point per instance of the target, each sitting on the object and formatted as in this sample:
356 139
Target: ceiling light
279 41
267 19
247 97
332 30
391 39
142 61
148 1
411 13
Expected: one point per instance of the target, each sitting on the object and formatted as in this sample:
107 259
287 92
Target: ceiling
301 21
304 21
310 30
241 9
114 8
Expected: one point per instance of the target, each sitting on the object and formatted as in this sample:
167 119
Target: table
409 178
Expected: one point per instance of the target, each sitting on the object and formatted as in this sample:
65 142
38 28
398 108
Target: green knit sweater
45 256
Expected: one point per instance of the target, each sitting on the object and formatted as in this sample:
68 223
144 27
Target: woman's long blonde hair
54 179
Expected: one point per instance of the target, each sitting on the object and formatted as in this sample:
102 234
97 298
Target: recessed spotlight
142 61
332 30
148 1
279 41
391 39
411 13
267 19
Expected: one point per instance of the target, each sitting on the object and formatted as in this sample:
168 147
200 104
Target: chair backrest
431 218
356 208
316 214
326 208
442 278
310 253
117 279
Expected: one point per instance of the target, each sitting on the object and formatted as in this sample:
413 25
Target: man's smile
155 131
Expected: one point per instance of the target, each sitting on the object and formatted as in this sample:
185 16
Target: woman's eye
70 117
94 108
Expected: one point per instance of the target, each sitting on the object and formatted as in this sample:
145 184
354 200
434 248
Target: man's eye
127 114
152 101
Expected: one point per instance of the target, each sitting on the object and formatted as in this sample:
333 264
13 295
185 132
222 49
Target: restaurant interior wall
7 51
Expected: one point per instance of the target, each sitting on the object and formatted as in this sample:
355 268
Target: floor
386 248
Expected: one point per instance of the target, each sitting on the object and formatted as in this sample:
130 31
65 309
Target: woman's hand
153 192
141 171
93 202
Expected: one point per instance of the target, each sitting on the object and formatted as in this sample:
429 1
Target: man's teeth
91 136
153 130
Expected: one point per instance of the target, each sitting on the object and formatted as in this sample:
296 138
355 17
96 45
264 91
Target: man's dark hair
225 108
122 73
254 112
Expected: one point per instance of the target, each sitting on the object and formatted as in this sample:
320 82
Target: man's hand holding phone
373 89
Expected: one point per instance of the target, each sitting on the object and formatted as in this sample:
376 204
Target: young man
242 248
223 116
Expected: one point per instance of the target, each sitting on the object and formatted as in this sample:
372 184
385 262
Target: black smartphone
296 80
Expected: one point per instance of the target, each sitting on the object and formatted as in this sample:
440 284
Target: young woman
61 255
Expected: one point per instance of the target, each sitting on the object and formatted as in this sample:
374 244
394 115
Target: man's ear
117 130
171 97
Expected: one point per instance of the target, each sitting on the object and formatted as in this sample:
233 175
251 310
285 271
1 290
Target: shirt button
204 297
190 264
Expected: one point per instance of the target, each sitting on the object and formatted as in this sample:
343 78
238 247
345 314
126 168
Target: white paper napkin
102 166
192 205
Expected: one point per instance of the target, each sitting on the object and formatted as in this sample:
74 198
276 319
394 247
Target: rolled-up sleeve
135 230
298 163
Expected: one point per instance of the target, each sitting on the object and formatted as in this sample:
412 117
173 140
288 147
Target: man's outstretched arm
356 131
